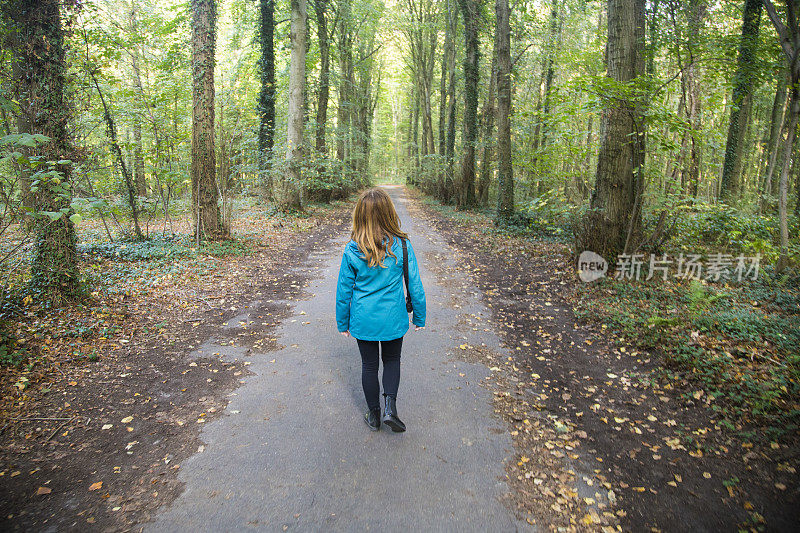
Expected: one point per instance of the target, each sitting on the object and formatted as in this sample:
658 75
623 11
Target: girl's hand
417 328
345 333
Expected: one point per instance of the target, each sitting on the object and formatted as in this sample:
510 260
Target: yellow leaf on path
127 420
96 486
43 490
638 489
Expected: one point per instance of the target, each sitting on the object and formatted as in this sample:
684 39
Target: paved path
292 452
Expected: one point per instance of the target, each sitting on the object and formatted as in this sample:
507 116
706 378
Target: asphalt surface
292 452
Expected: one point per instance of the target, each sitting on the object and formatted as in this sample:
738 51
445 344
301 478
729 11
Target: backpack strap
409 306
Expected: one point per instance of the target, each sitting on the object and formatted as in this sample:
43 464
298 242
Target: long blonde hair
374 220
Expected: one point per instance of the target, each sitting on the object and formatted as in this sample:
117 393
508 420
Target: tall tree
138 149
789 39
346 81
615 217
205 205
288 193
488 119
548 73
469 10
741 102
422 34
697 13
505 188
36 41
450 145
320 7
266 98
774 136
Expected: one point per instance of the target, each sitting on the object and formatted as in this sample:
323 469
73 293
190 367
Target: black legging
390 352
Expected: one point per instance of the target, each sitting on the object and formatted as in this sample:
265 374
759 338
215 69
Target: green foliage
550 215
748 325
227 248
10 353
720 228
740 342
145 250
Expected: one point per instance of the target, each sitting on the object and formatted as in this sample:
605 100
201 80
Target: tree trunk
205 206
345 85
615 219
266 99
789 39
488 117
38 53
130 186
783 187
775 138
505 187
138 149
321 6
446 67
469 9
289 186
741 102
697 14
450 148
548 73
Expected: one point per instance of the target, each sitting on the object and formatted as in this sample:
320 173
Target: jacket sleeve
344 293
415 289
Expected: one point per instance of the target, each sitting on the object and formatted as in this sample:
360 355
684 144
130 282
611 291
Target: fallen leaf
96 486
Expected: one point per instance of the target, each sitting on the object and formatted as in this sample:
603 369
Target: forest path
292 451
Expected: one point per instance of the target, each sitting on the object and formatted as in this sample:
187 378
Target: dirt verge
601 443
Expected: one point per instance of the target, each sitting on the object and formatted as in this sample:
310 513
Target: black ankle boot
373 419
390 417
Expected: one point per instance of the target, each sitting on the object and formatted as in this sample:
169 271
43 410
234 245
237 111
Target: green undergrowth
740 342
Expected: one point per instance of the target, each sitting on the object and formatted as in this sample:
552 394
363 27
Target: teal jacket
370 301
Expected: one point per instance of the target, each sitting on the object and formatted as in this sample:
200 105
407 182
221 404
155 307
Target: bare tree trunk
205 205
320 7
449 182
730 188
289 187
488 117
548 74
697 14
615 220
266 99
775 138
789 39
469 9
130 186
138 158
505 188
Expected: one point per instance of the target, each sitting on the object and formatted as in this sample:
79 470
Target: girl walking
370 305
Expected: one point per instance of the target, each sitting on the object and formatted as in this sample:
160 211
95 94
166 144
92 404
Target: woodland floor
599 443
87 470
601 408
